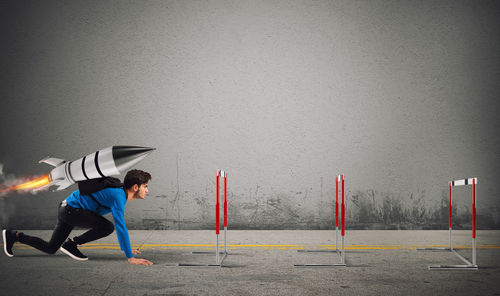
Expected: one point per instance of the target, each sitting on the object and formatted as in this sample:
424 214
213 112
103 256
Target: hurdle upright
340 252
218 260
468 265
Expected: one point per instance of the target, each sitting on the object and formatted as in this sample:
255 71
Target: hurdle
468 265
340 252
218 260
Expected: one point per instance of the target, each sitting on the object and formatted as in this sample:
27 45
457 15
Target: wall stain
266 209
365 209
175 203
381 210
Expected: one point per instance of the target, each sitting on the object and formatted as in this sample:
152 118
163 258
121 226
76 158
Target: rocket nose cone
126 156
131 149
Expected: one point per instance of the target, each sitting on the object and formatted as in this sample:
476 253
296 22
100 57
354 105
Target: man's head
136 183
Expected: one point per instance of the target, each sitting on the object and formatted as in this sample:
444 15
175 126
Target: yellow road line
114 246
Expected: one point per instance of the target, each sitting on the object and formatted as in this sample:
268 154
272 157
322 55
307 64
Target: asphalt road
259 263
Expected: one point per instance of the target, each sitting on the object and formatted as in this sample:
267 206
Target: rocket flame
30 185
33 184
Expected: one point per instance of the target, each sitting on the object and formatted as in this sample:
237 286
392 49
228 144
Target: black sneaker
9 238
71 249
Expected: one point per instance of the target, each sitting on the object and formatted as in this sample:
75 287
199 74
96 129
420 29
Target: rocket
109 161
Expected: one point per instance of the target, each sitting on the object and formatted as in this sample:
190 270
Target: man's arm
123 237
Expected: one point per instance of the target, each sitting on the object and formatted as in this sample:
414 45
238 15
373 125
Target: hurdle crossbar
340 252
218 259
468 265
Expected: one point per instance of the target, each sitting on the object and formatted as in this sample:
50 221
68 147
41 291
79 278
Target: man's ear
135 188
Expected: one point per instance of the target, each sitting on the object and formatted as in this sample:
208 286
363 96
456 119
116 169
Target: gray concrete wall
400 96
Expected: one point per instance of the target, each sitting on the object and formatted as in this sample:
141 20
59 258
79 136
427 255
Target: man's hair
135 177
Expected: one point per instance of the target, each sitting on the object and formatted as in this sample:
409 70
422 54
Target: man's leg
99 226
61 232
70 217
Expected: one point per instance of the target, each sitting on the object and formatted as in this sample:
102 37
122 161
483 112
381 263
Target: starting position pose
86 211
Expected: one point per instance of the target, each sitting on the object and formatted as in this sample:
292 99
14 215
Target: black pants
68 218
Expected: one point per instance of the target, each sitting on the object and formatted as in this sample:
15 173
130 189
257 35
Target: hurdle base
207 252
320 265
463 267
433 249
468 265
202 264
339 252
197 265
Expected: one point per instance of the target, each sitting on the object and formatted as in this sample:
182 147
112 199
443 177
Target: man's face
142 191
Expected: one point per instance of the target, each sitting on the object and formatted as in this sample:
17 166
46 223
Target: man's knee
109 228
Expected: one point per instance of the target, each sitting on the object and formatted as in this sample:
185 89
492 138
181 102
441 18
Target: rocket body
109 161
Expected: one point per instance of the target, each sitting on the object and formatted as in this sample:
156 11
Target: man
86 211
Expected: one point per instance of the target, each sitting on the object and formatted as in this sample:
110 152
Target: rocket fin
61 184
52 161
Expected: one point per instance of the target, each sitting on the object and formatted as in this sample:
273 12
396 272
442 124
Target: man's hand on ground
137 261
135 252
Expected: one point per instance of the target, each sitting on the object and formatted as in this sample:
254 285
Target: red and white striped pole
450 213
217 218
343 220
225 211
337 213
474 221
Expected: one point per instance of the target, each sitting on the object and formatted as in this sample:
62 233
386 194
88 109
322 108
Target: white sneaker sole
4 232
71 255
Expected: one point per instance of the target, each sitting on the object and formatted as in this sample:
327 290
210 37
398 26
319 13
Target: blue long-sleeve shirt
113 198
